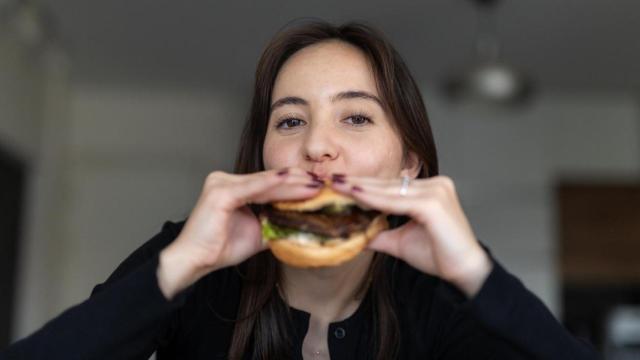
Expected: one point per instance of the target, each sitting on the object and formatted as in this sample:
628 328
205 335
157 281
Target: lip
318 173
323 174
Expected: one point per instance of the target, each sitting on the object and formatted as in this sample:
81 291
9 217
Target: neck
330 293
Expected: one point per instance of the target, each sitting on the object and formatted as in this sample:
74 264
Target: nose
320 144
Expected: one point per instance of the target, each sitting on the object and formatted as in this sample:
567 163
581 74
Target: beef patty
323 223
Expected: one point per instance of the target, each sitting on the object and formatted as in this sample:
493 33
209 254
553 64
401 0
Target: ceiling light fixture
488 78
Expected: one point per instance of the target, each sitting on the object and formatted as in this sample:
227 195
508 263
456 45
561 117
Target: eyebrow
344 95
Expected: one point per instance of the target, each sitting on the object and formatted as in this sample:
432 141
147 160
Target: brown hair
264 324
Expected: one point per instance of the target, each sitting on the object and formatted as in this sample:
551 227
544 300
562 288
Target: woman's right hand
221 230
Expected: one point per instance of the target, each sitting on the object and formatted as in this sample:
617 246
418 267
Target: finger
247 184
387 242
288 173
254 184
391 189
387 202
395 241
295 185
259 244
389 186
288 191
362 180
421 189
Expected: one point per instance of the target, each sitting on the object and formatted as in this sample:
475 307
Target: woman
329 103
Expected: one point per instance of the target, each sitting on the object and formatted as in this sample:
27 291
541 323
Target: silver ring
405 185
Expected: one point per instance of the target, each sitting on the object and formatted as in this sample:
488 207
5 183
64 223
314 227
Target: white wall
33 99
506 163
21 84
138 157
21 80
42 216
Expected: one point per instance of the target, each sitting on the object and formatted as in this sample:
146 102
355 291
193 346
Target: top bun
327 196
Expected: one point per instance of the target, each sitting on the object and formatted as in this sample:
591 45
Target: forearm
471 279
178 269
509 310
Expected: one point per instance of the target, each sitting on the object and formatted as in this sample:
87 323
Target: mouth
320 175
324 175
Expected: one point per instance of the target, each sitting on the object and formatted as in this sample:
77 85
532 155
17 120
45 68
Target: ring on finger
404 188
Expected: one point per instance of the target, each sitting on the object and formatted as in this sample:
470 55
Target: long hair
264 323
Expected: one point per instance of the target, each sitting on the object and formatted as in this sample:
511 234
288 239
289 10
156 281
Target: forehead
323 69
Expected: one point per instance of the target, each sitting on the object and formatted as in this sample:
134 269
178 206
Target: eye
289 123
359 119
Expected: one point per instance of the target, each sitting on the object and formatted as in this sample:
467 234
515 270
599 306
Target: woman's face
326 116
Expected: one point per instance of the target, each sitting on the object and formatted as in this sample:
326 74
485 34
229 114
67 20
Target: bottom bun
332 253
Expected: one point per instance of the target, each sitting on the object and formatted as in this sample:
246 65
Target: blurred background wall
118 110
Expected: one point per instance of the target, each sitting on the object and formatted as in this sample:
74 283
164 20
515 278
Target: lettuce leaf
271 231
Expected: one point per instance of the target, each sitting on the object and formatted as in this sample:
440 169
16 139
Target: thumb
387 242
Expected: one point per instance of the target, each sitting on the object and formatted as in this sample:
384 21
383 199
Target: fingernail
313 175
318 181
356 188
314 185
338 177
283 172
338 180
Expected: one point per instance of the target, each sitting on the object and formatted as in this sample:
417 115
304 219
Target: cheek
278 155
382 160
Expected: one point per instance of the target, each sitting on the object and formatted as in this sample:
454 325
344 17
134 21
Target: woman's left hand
438 240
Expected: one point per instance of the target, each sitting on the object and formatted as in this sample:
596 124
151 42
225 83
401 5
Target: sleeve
123 319
519 323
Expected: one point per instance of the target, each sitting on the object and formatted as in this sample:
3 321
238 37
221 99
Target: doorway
12 184
599 233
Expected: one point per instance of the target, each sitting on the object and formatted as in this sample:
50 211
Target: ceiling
574 45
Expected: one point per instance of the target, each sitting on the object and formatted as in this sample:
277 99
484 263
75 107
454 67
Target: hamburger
325 230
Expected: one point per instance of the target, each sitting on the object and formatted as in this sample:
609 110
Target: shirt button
340 333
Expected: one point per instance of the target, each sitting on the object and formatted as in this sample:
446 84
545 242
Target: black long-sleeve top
128 317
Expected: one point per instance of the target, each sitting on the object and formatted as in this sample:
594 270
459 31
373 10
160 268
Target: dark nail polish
338 180
356 188
318 181
313 175
283 172
314 185
337 177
